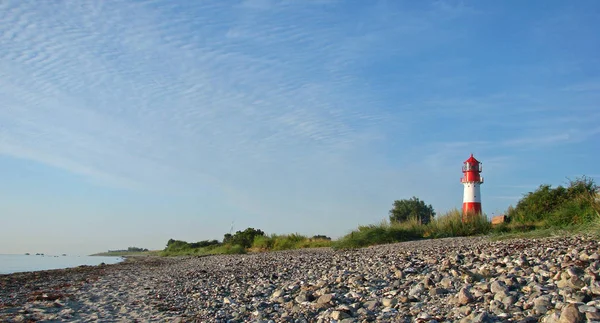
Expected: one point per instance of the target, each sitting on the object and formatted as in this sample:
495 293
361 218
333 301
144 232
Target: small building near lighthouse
471 181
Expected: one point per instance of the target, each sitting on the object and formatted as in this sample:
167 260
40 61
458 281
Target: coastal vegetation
546 211
130 251
248 240
449 224
555 211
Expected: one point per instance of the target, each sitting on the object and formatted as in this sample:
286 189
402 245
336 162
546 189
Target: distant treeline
250 239
130 249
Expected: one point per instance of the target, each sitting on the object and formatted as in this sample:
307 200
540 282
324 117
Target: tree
411 208
243 238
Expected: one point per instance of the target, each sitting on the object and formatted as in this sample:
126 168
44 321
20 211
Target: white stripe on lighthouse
471 193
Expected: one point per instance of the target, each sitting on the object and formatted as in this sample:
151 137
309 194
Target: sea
21 263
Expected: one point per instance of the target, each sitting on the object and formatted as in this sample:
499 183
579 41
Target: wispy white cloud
570 136
590 86
116 90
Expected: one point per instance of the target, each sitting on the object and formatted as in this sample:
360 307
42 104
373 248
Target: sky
128 123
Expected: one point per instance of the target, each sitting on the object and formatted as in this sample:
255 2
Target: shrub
243 238
404 210
560 206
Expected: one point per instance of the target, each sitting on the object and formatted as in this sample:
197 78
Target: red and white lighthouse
471 181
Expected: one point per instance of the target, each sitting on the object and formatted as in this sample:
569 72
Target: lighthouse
471 181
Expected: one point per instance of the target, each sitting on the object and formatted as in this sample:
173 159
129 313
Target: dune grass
260 243
384 232
287 242
451 225
222 249
447 225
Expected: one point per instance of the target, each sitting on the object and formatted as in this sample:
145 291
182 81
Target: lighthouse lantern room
471 181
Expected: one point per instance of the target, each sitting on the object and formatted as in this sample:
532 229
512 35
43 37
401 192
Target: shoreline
444 280
24 264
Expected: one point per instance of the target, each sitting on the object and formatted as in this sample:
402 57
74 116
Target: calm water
19 263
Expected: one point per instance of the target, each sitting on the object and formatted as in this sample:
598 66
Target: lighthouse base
470 209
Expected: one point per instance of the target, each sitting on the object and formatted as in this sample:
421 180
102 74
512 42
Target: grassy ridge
222 249
260 243
447 225
287 241
128 253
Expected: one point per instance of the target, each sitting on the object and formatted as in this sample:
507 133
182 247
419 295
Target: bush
404 210
558 207
243 238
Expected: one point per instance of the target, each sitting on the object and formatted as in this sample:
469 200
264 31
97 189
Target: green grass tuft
451 225
287 242
447 225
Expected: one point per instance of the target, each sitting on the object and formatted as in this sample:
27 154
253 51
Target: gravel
442 280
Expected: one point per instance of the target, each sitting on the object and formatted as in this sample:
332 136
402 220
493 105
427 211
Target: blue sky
127 123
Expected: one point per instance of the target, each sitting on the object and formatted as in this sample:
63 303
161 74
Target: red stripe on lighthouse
471 208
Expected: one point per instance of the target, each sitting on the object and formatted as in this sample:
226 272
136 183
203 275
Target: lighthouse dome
471 160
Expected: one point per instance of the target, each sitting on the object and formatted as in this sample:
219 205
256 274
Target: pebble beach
442 280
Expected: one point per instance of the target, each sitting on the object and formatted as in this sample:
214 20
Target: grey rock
371 305
498 286
588 309
436 291
575 282
464 297
465 310
542 301
416 290
570 314
446 282
276 294
552 317
592 316
389 302
477 318
326 298
338 315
